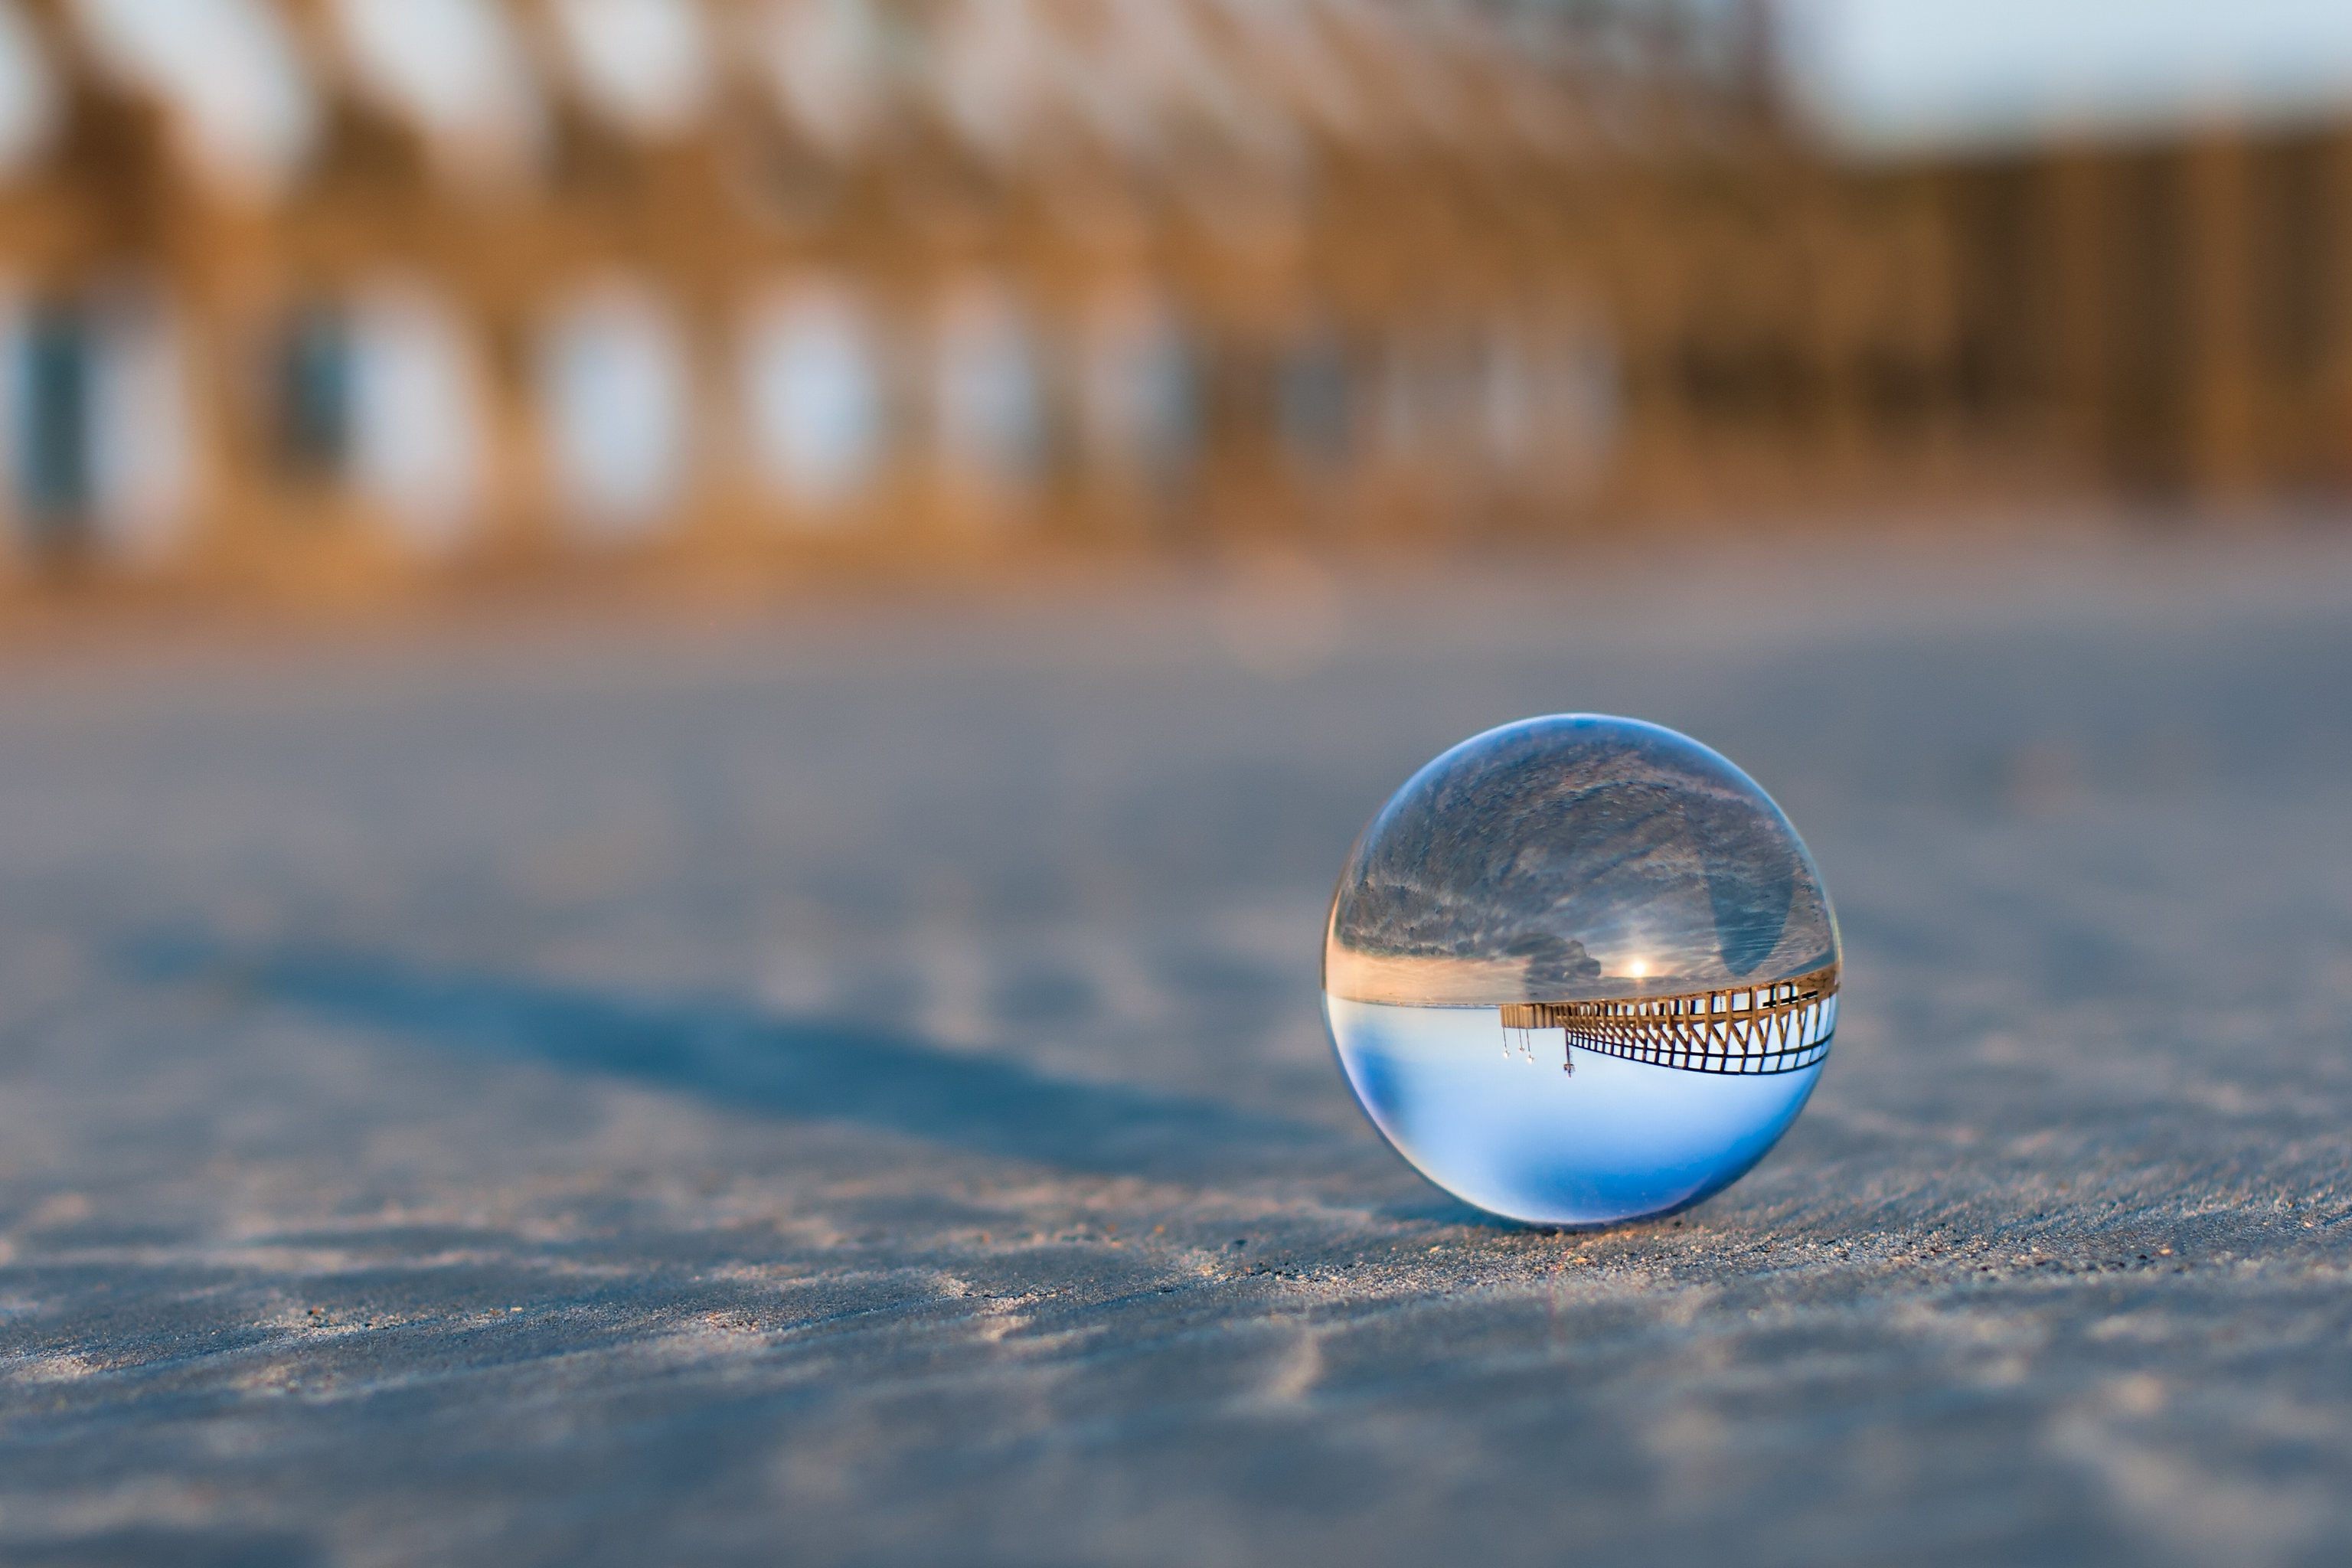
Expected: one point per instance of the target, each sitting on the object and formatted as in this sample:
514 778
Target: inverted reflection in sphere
1580 968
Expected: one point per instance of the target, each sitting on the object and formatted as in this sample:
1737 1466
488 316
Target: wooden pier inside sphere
1773 1029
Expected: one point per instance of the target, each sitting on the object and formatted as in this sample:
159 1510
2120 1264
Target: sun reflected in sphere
1606 900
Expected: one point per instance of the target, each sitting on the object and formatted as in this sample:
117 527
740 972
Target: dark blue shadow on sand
738 1055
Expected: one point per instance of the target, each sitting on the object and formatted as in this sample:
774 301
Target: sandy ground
845 1086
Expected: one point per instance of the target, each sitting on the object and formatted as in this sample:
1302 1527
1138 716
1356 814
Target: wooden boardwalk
1779 1027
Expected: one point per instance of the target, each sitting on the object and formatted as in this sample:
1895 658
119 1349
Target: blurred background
326 294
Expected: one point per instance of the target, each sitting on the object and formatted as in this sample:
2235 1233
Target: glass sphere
1582 970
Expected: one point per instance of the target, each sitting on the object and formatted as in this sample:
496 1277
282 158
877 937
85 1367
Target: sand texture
847 1087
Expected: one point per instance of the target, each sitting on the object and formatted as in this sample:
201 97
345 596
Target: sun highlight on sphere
1582 970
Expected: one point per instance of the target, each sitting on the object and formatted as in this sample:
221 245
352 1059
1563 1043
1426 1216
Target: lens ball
1582 970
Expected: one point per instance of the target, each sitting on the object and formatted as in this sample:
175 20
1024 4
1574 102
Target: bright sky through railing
826 60
645 63
452 68
228 74
29 97
812 398
1892 76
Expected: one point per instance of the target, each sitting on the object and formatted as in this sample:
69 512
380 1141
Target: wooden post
2221 360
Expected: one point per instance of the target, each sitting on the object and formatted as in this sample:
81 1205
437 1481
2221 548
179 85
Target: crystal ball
1582 970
